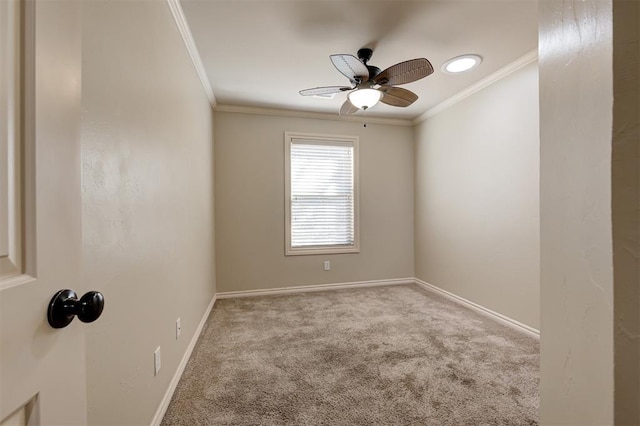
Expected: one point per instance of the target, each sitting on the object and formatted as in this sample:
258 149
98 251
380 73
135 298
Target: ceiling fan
370 84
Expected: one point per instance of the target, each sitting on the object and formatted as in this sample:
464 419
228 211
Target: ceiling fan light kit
370 85
461 63
364 98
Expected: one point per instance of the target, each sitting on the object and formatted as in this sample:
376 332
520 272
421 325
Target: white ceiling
262 52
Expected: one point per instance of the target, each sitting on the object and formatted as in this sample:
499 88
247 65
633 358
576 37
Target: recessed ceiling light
461 64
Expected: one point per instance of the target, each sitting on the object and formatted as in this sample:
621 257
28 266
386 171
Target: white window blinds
322 194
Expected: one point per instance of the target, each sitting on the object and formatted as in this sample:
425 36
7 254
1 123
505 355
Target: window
321 174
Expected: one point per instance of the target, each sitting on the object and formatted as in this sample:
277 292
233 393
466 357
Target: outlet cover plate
157 363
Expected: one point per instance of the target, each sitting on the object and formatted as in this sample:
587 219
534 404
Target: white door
42 369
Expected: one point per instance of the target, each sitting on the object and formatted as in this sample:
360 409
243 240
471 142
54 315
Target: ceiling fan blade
404 72
350 67
348 108
324 90
397 96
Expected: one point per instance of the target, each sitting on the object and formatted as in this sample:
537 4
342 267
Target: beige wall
576 104
476 197
249 178
147 187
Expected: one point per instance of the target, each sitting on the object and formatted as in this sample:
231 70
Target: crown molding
474 88
190 44
314 115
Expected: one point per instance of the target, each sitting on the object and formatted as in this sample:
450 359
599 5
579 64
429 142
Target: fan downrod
364 55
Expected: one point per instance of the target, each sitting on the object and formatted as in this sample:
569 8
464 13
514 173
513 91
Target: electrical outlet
156 361
178 328
327 265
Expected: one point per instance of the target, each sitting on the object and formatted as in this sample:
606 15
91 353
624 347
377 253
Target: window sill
320 250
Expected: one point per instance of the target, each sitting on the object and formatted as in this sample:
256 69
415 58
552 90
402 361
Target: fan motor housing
373 71
364 55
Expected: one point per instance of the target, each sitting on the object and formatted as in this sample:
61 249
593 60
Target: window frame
321 139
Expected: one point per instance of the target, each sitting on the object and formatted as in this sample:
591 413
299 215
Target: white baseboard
309 288
377 283
480 309
164 404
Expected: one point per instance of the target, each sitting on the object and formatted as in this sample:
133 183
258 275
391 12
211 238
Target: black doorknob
65 305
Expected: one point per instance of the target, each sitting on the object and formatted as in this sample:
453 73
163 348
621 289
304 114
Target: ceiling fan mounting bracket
365 54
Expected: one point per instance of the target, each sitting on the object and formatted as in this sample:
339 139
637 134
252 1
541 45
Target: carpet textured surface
397 355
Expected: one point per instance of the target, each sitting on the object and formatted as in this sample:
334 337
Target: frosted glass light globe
365 98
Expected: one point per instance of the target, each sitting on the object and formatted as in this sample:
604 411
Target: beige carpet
394 355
